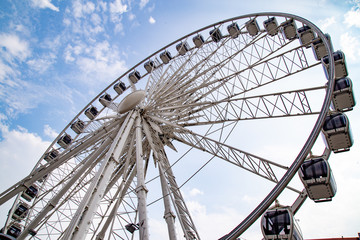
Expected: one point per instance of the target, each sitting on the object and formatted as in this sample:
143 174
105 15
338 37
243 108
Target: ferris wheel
209 96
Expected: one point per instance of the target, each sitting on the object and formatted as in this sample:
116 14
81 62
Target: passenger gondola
165 57
319 48
182 48
340 65
336 130
216 35
271 26
316 175
120 87
198 40
51 155
279 223
343 96
78 126
30 193
252 27
233 30
14 230
149 66
91 112
65 140
105 100
306 35
134 76
289 29
21 211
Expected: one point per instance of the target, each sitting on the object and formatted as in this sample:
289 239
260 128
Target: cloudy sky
56 55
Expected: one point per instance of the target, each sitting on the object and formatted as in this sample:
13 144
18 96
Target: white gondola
149 66
65 140
279 223
105 100
91 112
306 35
216 35
51 155
165 57
134 76
30 193
182 48
198 40
233 30
120 87
317 177
343 97
20 212
252 27
14 230
78 126
271 26
289 29
337 133
340 65
319 49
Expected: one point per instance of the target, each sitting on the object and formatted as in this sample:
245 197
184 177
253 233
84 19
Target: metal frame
211 85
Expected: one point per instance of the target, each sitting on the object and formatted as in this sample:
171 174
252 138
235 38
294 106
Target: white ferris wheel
208 96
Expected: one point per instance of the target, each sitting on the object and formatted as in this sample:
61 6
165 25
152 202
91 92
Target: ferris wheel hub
131 101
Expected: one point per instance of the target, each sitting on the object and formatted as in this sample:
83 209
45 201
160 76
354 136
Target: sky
57 55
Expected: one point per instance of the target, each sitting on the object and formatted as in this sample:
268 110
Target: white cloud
195 192
80 10
72 52
14 47
44 4
20 28
212 225
97 71
118 7
151 20
118 26
132 16
326 23
6 72
96 19
350 45
48 131
143 3
249 199
97 62
43 63
25 95
352 17
19 151
103 6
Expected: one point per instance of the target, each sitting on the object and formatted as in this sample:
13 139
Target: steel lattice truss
196 100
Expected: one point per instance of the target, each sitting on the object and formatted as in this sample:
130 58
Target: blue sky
56 55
